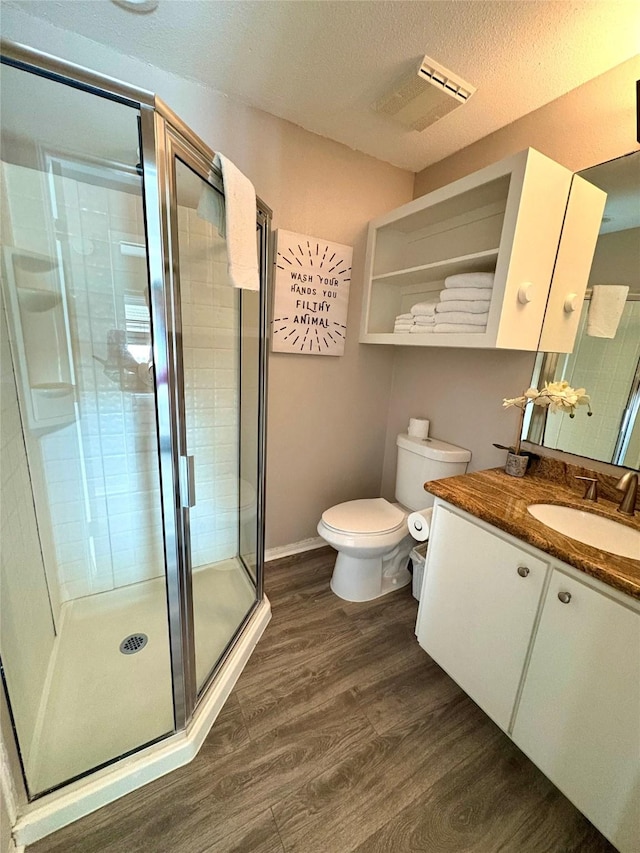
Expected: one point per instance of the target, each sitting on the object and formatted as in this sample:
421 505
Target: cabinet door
477 610
579 714
573 265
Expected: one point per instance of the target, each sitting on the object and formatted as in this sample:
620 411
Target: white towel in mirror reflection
605 310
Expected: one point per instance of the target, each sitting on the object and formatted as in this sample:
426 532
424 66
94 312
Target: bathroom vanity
527 219
543 633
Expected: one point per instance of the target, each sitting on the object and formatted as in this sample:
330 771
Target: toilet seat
369 517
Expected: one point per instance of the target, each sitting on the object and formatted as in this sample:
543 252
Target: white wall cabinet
513 218
555 662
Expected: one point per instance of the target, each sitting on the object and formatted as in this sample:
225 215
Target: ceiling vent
425 97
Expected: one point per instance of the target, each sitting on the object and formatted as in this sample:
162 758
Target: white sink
589 528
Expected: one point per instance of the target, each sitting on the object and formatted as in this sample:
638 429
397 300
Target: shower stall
132 436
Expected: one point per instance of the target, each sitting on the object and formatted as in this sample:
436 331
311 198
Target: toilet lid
375 515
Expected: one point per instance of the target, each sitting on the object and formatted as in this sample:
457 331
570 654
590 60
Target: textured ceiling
320 63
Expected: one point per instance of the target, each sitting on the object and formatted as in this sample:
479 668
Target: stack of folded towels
463 306
422 318
464 303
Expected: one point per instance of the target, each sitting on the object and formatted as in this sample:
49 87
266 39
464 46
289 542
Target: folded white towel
461 317
420 329
470 293
404 317
470 279
421 320
424 309
481 306
402 330
457 328
402 325
605 310
240 212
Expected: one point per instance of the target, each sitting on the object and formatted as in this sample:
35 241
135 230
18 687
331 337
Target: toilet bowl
371 536
373 545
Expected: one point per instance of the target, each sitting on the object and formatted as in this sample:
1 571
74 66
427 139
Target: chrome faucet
628 484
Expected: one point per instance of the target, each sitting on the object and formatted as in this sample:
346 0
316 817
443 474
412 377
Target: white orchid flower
520 402
556 396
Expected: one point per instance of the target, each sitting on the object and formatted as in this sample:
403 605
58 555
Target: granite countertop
502 500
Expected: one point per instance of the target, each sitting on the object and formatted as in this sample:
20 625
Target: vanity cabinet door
579 714
477 610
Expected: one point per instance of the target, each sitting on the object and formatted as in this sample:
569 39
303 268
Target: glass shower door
218 345
84 635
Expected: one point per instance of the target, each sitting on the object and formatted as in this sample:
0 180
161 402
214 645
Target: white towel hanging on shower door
239 226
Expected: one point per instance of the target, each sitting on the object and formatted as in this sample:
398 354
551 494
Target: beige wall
327 415
461 390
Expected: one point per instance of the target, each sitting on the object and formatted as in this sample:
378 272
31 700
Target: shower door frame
166 138
160 129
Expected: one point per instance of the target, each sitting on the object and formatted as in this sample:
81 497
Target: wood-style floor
341 735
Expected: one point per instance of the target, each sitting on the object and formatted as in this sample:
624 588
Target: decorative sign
311 295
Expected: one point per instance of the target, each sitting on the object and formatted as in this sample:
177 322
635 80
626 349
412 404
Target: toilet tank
422 459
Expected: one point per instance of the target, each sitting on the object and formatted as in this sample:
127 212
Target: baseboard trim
85 796
294 548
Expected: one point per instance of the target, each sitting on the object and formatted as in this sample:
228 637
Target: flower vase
516 465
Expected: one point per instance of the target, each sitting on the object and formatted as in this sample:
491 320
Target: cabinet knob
565 597
523 571
525 292
571 303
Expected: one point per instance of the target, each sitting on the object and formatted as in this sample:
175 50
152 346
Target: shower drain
133 643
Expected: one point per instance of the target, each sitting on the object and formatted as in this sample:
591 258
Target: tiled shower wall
605 367
210 326
26 627
101 471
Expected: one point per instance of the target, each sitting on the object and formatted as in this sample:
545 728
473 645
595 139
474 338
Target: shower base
100 703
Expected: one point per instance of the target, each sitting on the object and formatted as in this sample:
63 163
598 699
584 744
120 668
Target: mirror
609 368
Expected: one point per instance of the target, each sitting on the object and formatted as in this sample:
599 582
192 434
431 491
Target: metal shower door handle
187 481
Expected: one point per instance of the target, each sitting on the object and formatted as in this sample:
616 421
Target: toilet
371 536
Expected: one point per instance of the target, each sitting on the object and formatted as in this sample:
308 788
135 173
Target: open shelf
53 389
409 340
39 329
38 300
510 219
477 262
